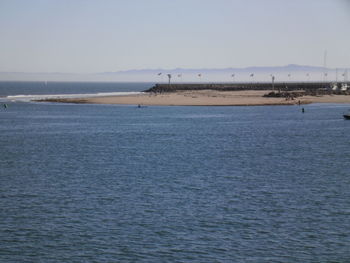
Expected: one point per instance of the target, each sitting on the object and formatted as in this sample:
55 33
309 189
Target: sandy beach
207 98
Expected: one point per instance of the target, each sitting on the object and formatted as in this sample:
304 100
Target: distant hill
290 67
289 72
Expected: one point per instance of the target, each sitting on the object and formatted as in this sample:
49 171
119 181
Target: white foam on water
28 98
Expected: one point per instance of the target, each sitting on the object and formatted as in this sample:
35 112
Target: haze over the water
85 36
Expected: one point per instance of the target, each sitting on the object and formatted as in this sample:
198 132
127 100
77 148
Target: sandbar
207 98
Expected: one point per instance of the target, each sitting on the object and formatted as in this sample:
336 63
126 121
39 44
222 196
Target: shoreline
204 98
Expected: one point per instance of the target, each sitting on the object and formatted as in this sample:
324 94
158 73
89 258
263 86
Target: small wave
28 98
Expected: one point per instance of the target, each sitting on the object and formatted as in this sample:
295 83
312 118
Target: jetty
309 87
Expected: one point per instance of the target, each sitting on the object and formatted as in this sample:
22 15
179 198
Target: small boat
347 116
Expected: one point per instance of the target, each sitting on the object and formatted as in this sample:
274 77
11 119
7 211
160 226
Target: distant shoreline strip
28 98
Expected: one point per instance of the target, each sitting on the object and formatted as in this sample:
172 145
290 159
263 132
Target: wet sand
207 98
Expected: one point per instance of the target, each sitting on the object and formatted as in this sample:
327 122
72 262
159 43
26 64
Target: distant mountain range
206 74
290 67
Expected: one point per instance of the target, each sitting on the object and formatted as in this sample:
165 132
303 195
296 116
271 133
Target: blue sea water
106 183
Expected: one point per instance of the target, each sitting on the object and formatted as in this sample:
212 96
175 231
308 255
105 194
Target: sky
87 36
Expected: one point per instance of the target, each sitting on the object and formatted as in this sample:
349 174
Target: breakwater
278 86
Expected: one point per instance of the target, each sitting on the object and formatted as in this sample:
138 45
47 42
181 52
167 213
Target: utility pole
180 77
200 77
325 66
336 75
252 76
160 75
169 76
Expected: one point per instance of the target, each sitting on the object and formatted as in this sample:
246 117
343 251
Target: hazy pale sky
84 36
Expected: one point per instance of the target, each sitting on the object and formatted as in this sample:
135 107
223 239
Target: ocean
109 183
27 91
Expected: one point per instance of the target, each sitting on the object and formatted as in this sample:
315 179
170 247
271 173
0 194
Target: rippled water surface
95 183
